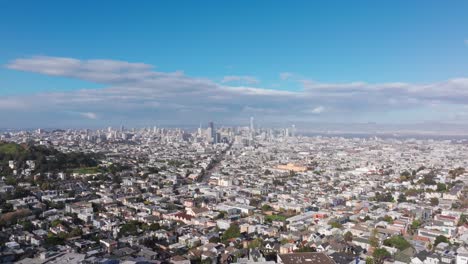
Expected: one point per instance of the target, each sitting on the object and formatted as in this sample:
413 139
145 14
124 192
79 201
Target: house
362 242
405 255
108 244
305 258
179 260
431 234
343 258
271 247
82 209
287 248
425 257
147 253
181 217
323 247
462 258
196 212
223 224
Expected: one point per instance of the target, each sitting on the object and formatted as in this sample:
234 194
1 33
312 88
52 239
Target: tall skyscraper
213 132
199 132
252 128
293 131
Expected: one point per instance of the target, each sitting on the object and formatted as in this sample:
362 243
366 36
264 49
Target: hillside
46 159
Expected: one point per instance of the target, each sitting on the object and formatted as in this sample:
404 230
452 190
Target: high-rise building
199 132
252 128
213 132
293 131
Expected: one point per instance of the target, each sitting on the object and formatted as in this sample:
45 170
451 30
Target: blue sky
264 45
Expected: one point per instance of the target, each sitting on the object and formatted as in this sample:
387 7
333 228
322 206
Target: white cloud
102 71
89 115
12 103
136 92
317 110
243 79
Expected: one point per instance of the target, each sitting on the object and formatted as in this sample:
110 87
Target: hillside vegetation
46 159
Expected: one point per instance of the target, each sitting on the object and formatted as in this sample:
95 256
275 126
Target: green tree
256 243
6 207
154 227
380 254
129 228
401 198
53 240
206 261
412 192
20 192
55 222
463 220
348 236
440 239
416 224
373 239
405 176
430 246
75 232
388 219
441 187
232 232
398 242
221 215
369 260
10 180
335 224
28 226
305 249
214 240
384 197
428 179
434 201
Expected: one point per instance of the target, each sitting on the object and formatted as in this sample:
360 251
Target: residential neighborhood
230 195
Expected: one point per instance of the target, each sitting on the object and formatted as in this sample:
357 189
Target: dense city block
230 195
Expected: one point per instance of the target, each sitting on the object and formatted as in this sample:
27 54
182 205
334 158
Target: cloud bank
137 94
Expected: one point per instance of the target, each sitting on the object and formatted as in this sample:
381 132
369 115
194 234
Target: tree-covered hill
46 159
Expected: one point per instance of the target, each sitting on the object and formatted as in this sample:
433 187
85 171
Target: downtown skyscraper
212 131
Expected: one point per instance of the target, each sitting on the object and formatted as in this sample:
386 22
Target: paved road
205 177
